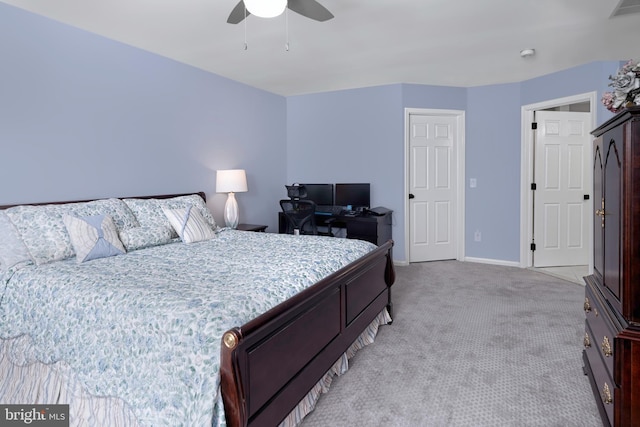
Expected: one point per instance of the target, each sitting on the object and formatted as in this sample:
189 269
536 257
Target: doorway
562 176
547 223
434 184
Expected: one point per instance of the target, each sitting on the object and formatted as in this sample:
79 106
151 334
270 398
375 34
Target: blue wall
586 78
82 116
355 135
493 159
350 136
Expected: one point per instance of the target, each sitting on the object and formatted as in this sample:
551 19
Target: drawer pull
587 341
606 347
606 394
587 305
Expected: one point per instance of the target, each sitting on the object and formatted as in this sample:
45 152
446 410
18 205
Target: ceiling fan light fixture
266 8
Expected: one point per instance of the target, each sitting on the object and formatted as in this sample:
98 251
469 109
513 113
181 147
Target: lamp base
231 211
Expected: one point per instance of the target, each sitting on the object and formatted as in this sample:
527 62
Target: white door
562 177
433 187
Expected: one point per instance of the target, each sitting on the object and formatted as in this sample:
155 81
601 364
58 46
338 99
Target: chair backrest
300 216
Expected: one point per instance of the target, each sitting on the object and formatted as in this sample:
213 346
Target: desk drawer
362 228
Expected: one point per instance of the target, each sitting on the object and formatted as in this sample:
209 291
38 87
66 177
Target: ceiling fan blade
311 9
237 14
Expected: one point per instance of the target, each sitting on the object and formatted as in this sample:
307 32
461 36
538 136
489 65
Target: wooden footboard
269 364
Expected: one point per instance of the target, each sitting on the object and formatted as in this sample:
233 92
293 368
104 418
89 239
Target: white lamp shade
265 8
231 181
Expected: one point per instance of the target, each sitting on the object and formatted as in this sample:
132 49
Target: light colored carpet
471 345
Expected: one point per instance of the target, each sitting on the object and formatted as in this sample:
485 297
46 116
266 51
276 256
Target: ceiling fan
308 8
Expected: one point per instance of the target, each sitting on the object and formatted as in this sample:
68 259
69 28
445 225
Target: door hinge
533 246
533 185
534 125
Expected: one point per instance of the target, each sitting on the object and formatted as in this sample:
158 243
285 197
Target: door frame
526 171
459 115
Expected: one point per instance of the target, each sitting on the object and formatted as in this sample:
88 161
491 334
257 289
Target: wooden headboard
161 196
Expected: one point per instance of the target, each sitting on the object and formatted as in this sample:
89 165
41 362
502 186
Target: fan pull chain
246 46
286 20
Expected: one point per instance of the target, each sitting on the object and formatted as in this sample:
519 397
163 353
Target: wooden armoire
612 301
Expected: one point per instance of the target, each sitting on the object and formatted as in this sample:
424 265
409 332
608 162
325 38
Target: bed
158 327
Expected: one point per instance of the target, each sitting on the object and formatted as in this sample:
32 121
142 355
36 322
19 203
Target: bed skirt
26 381
307 404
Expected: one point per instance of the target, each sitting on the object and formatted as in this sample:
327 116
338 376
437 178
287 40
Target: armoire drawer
600 332
604 385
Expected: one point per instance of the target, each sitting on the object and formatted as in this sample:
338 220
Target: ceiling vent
626 7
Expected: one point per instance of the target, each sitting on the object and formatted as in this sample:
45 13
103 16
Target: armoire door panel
598 228
612 224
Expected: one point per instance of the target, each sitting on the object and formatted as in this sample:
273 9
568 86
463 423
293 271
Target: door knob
411 196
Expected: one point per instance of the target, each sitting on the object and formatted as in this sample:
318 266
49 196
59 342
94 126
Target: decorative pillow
44 233
93 237
12 248
189 224
144 237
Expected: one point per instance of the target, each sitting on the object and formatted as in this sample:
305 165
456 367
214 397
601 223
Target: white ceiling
369 42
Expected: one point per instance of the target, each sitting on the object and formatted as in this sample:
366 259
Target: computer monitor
322 194
356 195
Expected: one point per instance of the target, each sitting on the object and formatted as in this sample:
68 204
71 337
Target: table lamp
231 181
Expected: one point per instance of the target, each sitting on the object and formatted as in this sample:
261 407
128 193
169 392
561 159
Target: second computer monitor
322 194
354 195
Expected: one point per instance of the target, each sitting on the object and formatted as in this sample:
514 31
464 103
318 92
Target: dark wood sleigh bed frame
268 365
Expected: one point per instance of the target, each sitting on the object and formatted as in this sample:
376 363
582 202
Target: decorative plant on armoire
626 88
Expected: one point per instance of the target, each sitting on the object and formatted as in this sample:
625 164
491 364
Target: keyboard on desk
329 210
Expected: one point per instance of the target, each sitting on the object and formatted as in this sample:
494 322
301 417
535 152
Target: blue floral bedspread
146 326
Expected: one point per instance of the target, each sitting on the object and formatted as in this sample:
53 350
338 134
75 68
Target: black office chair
300 215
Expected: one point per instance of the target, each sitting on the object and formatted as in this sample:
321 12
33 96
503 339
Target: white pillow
189 224
93 237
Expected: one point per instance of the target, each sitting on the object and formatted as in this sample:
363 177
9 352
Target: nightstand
252 227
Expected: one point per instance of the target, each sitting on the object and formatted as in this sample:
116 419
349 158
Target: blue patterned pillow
12 248
93 237
43 231
145 237
149 212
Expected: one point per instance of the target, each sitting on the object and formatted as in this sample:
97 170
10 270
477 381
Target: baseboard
493 261
402 263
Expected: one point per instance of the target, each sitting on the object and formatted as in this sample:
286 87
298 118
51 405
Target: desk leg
390 306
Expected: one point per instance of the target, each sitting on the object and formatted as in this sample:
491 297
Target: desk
374 229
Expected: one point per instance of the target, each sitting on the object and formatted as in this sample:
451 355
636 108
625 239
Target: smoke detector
525 53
